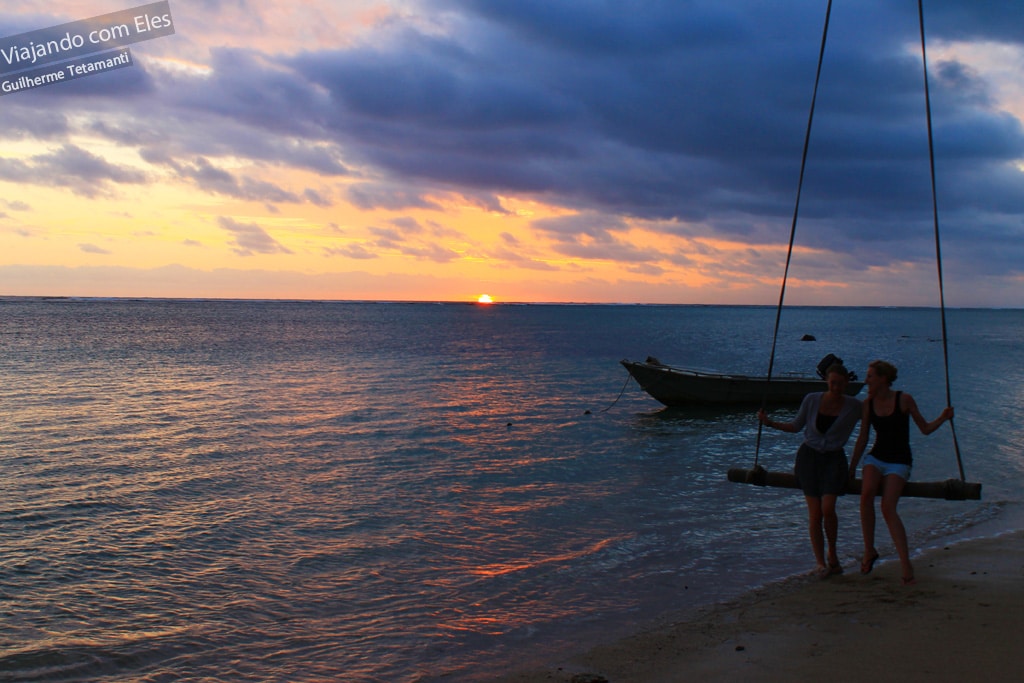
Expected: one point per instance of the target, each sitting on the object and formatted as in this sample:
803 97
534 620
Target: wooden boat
680 387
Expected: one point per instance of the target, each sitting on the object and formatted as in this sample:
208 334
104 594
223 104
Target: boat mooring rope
621 392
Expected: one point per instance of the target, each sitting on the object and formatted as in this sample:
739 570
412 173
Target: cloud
408 226
486 201
315 198
208 177
391 196
252 90
251 239
691 111
682 117
571 228
212 135
353 251
70 166
22 121
519 260
386 236
430 252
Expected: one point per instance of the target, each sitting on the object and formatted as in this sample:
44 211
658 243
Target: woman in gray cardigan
827 419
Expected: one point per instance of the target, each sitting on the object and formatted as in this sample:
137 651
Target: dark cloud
689 110
392 196
591 236
21 121
315 198
995 20
409 226
70 166
209 178
253 91
615 29
486 201
212 136
571 228
250 238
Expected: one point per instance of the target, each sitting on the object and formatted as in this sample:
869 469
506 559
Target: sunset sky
533 150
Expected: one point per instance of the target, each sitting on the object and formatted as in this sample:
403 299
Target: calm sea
296 491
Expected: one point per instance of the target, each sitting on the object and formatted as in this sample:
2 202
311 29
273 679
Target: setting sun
485 299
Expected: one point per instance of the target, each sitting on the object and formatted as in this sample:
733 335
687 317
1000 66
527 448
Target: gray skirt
821 474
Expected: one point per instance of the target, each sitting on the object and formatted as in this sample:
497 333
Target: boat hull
679 387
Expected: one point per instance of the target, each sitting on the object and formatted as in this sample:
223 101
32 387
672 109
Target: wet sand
962 621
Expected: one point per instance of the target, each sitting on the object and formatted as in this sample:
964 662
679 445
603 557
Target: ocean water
305 491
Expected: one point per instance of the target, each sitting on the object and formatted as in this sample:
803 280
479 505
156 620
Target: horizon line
469 302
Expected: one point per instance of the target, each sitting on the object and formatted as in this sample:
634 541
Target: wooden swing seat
951 489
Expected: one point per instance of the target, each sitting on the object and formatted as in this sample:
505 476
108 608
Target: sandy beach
962 621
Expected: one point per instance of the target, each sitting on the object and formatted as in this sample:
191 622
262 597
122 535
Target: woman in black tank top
889 413
892 434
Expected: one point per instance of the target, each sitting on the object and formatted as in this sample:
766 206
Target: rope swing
792 228
951 489
938 243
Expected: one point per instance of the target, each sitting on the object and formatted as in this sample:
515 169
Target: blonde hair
885 369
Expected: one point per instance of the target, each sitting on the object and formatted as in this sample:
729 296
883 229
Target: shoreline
959 622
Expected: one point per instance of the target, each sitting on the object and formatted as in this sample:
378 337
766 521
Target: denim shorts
887 468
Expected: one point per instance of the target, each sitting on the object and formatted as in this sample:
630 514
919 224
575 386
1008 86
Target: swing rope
938 246
935 214
792 229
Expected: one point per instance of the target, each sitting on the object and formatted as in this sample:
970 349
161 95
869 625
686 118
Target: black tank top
892 435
